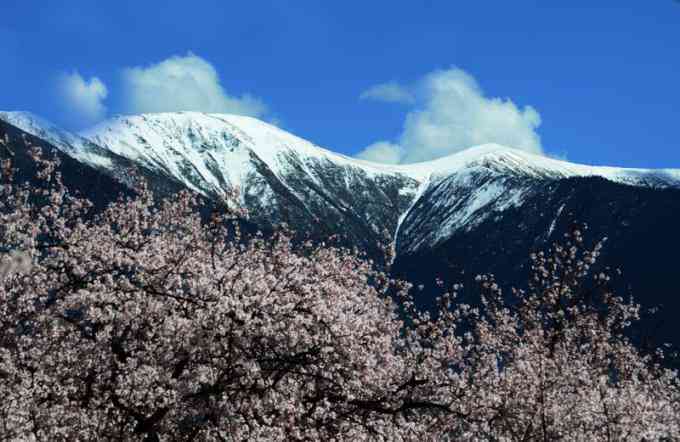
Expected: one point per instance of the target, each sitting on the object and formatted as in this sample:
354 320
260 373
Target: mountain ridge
215 153
267 149
481 210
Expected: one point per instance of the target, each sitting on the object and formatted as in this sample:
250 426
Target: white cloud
391 92
382 152
451 113
183 83
83 99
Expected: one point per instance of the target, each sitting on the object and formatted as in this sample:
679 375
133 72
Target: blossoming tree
148 322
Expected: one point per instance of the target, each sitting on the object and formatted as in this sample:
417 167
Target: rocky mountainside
483 209
485 182
280 178
91 182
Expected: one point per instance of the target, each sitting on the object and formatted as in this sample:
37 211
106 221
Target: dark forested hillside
643 241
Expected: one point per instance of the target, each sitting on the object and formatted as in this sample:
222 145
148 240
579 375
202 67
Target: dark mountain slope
96 185
641 224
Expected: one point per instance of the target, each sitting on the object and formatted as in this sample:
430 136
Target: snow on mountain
280 177
174 141
211 153
71 144
276 172
465 189
516 161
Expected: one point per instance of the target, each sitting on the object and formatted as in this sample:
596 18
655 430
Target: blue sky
410 80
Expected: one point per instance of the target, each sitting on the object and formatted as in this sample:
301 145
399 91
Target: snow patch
554 221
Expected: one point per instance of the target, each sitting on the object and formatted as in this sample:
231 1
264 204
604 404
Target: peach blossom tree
148 322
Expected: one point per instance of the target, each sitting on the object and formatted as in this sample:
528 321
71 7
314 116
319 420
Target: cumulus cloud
83 100
451 113
382 152
182 83
391 92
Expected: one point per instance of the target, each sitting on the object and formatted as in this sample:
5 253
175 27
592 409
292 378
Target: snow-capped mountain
422 204
483 209
94 183
280 178
212 152
482 182
71 144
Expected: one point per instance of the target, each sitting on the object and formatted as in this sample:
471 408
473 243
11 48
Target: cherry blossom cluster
150 321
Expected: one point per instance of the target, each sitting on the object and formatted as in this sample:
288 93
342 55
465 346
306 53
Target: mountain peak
73 145
176 142
30 123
